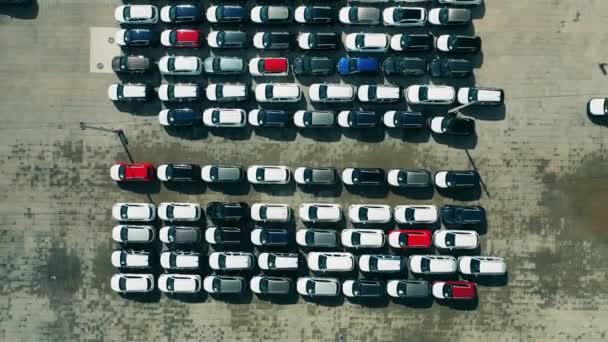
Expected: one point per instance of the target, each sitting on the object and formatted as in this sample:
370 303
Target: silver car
449 16
224 65
359 15
318 287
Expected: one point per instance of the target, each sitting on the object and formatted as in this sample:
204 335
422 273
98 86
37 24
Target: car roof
275 64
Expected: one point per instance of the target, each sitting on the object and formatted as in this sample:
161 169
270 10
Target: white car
320 212
178 260
318 287
362 238
224 117
355 15
455 239
264 174
416 214
369 213
136 14
430 94
134 212
404 16
270 14
278 92
495 97
130 259
226 92
274 66
179 211
366 42
129 92
266 212
331 92
231 261
379 263
132 282
180 65
482 265
179 92
179 283
432 264
330 261
133 234
278 261
378 93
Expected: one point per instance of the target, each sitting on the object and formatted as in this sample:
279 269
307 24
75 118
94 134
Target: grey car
227 39
408 289
222 173
313 66
224 65
314 119
179 235
318 287
315 175
409 178
321 238
224 285
265 285
447 16
131 64
359 15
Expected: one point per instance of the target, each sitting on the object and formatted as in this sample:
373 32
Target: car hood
596 106
436 124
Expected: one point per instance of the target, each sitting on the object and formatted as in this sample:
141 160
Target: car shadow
460 252
242 298
491 281
241 133
479 11
276 190
148 108
414 193
152 77
325 301
470 194
372 135
331 134
291 298
487 113
598 120
461 305
148 297
333 190
468 142
368 191
417 136
422 303
436 277
192 188
21 11
198 297
152 187
277 133
240 188
194 132
379 302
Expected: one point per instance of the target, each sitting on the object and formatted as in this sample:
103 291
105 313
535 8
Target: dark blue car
269 237
181 14
226 14
179 117
136 37
349 66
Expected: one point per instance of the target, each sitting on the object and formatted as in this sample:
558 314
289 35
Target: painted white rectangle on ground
102 49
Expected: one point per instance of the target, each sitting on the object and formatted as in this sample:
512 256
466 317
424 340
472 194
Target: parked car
412 42
223 235
313 66
456 179
318 287
179 283
269 237
260 174
266 285
410 238
266 212
403 119
181 14
179 235
461 2
179 172
318 40
314 119
455 239
452 125
378 93
450 67
268 118
330 261
404 16
182 38
452 43
408 289
432 264
416 214
136 37
272 40
482 265
320 212
130 259
144 212
458 216
363 176
317 238
132 282
231 261
369 213
595 107
366 42
331 92
409 178
314 14
173 211
179 117
362 238
315 176
226 14
130 92
137 172
215 284
278 92
360 288
278 261
449 16
271 15
496 97
179 92
405 66
226 92
131 64
224 65
359 15
454 290
180 65
379 263
179 260
358 65
227 211
430 94
222 173
227 40
224 117
133 233
136 14
271 66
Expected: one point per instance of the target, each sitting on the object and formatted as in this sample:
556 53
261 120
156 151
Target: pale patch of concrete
102 49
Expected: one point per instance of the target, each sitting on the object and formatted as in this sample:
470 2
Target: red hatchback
139 172
454 290
276 66
182 38
410 238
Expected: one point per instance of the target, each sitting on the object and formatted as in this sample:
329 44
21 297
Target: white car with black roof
176 211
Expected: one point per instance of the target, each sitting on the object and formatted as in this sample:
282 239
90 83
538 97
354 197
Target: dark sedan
136 37
456 179
317 66
269 237
404 66
358 119
180 14
179 117
179 172
450 67
452 125
458 216
363 288
403 119
227 211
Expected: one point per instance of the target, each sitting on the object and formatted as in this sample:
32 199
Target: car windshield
122 172
308 175
444 15
447 291
323 91
356 288
213 172
219 13
124 211
423 93
312 212
475 265
352 14
356 239
352 65
171 91
221 37
221 260
173 37
122 283
271 261
261 64
264 13
267 39
409 214
170 284
403 239
263 212
126 12
264 285
425 264
259 174
363 213
310 287
452 41
123 259
308 117
373 264
172 12
313 40
371 93
360 41
265 235
322 262
170 211
309 237
124 234
450 239
172 259
171 64
309 13
472 94
268 91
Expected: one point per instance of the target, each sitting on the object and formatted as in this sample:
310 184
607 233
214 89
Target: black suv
316 66
457 216
404 66
227 211
363 176
416 42
179 172
450 67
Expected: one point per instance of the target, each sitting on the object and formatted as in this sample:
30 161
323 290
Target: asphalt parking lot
541 159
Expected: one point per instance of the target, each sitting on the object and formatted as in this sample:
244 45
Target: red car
275 66
454 290
139 172
410 238
182 38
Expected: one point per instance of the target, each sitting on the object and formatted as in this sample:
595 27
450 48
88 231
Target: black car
179 117
363 176
227 211
226 14
457 216
131 64
409 178
228 40
272 40
179 172
403 119
314 14
137 37
180 14
458 44
452 125
456 179
316 66
268 118
359 288
416 42
450 67
404 66
358 119
409 289
320 41
223 235
269 237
